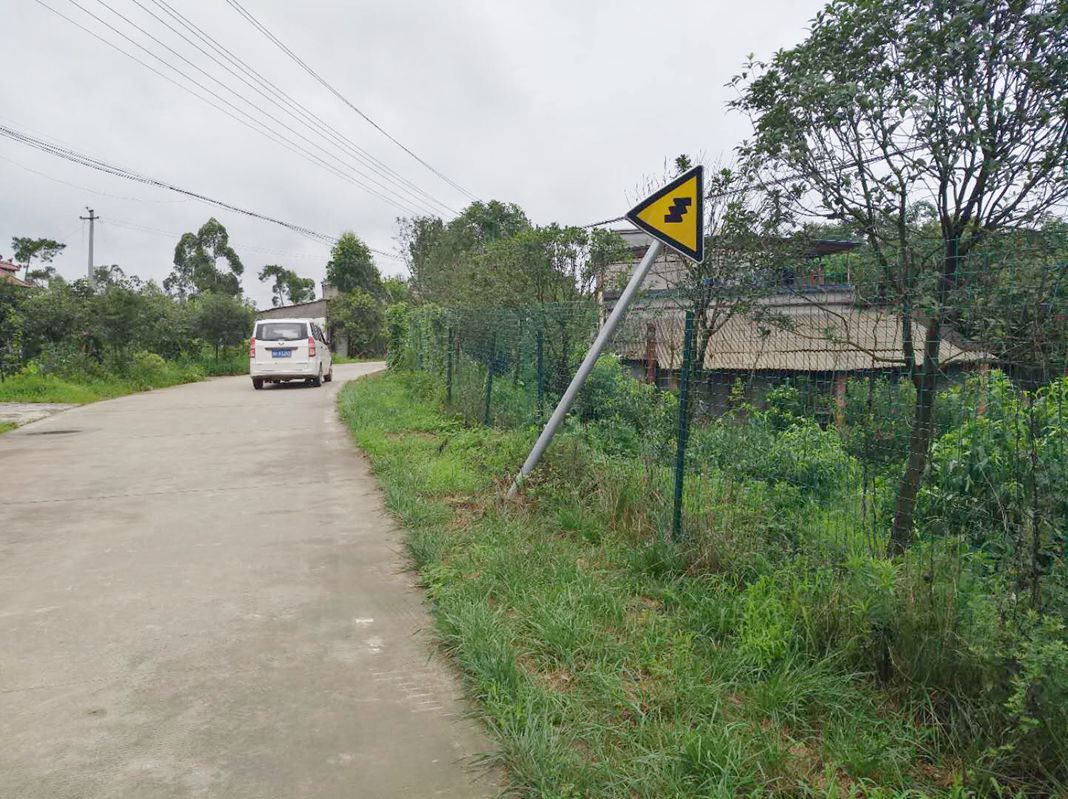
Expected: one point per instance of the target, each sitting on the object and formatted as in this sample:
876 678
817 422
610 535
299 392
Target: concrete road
201 596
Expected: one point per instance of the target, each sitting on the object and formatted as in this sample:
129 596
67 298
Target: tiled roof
9 274
792 339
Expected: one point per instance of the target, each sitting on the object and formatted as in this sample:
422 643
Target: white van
289 349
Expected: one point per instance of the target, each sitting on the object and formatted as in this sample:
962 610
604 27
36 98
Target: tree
606 247
167 330
56 316
196 259
289 288
221 320
490 255
114 275
421 238
746 251
396 290
351 266
117 317
42 274
358 316
44 250
1017 310
11 301
962 105
443 259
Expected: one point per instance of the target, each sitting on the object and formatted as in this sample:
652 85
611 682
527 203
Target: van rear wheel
257 383
318 380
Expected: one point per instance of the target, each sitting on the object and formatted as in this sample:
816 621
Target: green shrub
878 420
611 393
801 455
397 334
1000 479
1038 702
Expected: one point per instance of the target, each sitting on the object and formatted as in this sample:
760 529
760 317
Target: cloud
562 107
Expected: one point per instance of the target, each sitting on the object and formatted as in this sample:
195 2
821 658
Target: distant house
9 274
804 329
316 311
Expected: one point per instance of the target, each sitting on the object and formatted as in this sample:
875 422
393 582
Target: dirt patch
20 413
466 511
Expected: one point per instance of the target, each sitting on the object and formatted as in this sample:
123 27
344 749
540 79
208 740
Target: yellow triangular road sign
675 214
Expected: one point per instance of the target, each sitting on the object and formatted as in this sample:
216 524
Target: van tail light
252 347
311 346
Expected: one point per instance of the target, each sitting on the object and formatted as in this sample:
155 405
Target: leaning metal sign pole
584 370
674 216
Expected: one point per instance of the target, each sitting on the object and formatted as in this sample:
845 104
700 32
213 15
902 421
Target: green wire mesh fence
851 414
503 367
790 427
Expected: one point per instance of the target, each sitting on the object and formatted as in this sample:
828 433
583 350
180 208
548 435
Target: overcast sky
560 106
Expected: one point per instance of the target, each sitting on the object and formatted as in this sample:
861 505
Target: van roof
285 320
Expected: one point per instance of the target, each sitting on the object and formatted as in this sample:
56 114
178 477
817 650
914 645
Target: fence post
489 378
540 345
841 385
419 346
518 353
448 366
650 353
684 427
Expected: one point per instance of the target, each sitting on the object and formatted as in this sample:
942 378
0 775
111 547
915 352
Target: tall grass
609 663
83 380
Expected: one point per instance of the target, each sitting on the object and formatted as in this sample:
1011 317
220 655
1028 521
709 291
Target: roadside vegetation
869 591
86 382
609 662
78 342
70 342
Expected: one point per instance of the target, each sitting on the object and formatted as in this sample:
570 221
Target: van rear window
281 331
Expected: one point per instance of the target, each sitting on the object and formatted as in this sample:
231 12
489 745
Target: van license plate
281 353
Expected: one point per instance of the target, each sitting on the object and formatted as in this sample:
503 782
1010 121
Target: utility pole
91 219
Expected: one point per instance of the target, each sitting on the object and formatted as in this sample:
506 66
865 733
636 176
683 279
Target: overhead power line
322 81
326 157
136 227
68 154
301 117
86 188
779 181
224 105
281 98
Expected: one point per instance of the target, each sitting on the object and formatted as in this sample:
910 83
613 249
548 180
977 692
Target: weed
610 663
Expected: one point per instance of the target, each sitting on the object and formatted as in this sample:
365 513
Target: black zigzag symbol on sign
678 209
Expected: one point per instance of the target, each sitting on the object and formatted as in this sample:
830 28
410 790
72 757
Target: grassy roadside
146 373
343 359
5 426
603 667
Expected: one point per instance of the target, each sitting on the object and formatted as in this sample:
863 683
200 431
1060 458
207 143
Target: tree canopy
221 320
359 317
196 264
44 250
352 266
440 256
289 287
959 106
491 255
396 289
